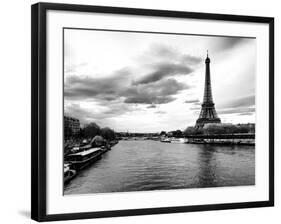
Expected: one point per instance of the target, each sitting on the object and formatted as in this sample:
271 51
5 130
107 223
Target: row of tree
91 130
177 133
220 129
212 129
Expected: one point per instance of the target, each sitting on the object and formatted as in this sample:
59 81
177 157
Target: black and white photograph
150 111
139 111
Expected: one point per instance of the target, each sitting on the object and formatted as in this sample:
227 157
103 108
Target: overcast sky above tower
143 82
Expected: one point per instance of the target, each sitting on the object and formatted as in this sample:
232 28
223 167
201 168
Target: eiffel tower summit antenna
208 112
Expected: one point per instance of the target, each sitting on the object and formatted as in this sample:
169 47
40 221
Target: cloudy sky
143 82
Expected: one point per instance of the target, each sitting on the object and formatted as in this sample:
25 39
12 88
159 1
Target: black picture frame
39 107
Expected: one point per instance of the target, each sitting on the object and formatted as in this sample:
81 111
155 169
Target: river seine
153 165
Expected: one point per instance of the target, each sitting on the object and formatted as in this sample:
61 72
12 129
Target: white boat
165 140
179 140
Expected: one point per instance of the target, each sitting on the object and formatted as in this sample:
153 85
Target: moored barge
84 158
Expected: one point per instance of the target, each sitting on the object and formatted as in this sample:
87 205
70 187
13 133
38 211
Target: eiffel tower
208 112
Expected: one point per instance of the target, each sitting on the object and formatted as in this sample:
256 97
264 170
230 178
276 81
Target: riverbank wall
226 139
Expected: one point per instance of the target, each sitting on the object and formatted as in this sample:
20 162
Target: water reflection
207 169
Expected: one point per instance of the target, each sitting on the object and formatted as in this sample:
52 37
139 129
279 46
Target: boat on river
69 174
80 160
165 140
113 143
179 140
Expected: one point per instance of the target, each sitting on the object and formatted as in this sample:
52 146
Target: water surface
152 165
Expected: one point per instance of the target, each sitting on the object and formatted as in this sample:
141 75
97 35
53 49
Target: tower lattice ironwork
208 112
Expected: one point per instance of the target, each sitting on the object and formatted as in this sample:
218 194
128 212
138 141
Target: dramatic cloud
227 43
245 101
87 115
164 70
190 60
84 115
160 92
142 82
166 52
192 101
240 110
151 106
242 106
166 61
162 51
108 88
119 87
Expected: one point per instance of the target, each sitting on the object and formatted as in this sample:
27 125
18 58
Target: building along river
153 165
